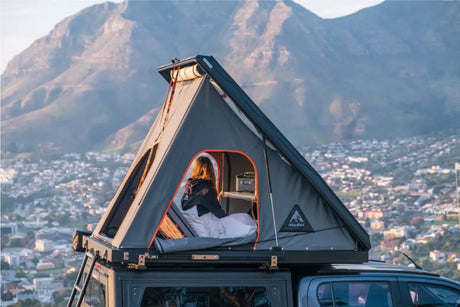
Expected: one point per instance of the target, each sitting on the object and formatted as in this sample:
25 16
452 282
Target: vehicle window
325 295
351 293
433 295
95 294
205 297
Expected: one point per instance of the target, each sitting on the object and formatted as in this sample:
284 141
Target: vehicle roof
370 267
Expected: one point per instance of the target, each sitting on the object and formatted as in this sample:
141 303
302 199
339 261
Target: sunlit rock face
90 84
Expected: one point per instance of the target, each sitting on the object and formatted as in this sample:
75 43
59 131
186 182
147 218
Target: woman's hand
188 187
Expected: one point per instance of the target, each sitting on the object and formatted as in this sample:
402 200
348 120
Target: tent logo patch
296 222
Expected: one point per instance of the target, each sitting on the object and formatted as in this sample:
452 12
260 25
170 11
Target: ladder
76 288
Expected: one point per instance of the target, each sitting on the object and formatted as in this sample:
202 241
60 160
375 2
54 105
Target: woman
204 212
200 189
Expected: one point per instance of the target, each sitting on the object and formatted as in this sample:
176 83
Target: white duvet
232 226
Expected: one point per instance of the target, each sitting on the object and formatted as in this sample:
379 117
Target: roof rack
143 258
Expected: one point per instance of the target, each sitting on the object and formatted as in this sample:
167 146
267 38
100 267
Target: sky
24 21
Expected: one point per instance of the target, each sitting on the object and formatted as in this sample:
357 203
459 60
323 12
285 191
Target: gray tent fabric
211 114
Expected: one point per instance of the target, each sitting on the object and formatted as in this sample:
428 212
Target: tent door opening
236 185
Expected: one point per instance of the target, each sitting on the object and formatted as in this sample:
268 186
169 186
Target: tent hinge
274 263
142 261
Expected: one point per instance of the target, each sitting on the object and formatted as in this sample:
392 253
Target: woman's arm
202 195
186 199
211 204
190 200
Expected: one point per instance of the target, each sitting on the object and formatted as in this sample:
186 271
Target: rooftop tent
206 112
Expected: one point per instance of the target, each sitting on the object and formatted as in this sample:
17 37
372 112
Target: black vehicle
368 284
377 285
280 223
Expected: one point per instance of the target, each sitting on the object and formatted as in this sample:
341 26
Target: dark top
204 203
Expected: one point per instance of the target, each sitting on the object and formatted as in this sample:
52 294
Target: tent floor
141 258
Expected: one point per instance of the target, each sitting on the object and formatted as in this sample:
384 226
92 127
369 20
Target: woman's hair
203 169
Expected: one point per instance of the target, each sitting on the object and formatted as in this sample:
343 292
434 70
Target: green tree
27 303
41 275
69 279
376 237
63 219
60 297
367 223
401 220
19 273
8 296
30 235
456 275
5 265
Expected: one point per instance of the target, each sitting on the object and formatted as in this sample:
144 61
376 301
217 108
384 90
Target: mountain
91 84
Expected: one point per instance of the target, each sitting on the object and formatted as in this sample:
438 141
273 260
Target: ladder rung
82 289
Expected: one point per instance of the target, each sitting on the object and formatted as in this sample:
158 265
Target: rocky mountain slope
91 84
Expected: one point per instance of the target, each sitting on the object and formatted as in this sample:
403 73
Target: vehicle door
428 292
352 291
